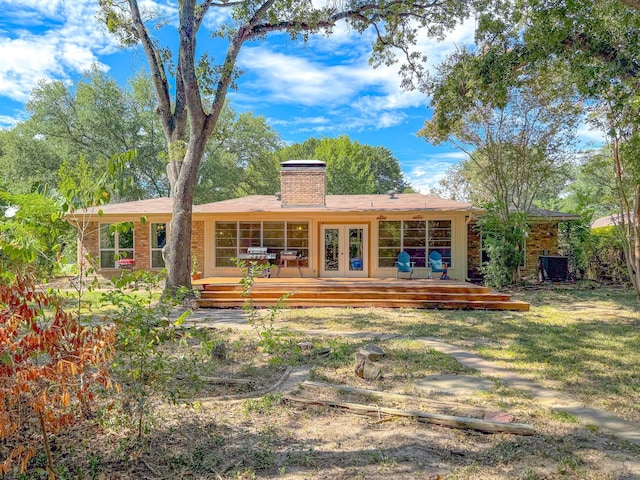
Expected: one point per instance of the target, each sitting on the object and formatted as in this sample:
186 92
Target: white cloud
70 42
589 136
424 173
7 122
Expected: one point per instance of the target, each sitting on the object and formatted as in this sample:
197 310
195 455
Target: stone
365 368
323 352
372 351
219 351
498 416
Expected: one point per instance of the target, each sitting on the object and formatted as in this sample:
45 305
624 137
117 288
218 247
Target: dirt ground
220 436
232 439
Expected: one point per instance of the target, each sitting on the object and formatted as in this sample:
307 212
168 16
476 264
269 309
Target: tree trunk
178 250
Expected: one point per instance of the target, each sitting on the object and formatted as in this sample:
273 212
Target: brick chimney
302 183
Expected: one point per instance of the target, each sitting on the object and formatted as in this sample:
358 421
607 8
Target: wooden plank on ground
446 420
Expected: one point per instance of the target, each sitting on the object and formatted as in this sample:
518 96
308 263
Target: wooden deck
221 292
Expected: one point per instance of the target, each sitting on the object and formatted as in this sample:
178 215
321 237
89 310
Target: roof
541 213
334 203
340 203
608 221
162 205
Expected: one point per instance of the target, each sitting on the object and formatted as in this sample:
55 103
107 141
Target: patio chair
437 265
404 264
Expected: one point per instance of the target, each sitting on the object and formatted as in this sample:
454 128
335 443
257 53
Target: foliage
94 118
352 168
144 331
50 365
503 240
574 239
34 236
81 192
269 336
605 257
592 48
238 159
516 138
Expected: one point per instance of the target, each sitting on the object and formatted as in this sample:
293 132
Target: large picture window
416 237
158 242
114 245
234 238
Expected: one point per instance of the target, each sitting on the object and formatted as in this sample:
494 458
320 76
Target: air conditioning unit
555 268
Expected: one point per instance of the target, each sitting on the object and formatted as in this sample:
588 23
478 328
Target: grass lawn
584 341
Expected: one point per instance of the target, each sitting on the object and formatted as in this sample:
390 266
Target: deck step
385 293
360 294
381 303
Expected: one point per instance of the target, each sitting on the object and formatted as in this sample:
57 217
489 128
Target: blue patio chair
437 265
404 264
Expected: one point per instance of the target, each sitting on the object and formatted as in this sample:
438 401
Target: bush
605 257
50 365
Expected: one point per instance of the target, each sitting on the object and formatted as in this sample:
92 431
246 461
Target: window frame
275 244
416 244
116 249
153 249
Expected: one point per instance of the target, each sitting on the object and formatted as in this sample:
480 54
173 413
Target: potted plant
195 273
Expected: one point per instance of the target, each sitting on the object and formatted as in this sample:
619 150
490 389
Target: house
543 240
306 232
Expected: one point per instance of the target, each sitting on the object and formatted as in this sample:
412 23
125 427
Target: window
439 235
114 245
417 237
234 238
389 243
158 241
226 243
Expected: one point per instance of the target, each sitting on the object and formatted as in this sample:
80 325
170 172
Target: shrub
50 365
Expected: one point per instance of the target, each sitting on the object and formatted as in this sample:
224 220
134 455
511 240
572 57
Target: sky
324 87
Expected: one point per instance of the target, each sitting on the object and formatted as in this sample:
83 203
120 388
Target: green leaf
182 318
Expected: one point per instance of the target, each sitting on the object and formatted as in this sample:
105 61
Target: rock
372 351
323 352
219 351
365 368
499 417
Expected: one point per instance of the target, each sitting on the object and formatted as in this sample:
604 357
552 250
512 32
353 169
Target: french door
344 251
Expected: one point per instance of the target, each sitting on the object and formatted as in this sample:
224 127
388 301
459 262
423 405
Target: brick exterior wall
542 240
142 245
302 186
473 252
197 243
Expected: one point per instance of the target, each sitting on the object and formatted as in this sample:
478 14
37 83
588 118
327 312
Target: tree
352 168
516 138
238 159
593 47
94 118
188 123
32 232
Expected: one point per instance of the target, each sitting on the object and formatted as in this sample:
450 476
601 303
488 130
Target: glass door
344 251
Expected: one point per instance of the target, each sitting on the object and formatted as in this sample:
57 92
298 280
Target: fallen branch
446 420
228 381
255 394
377 394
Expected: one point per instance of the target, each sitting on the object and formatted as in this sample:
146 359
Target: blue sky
324 87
